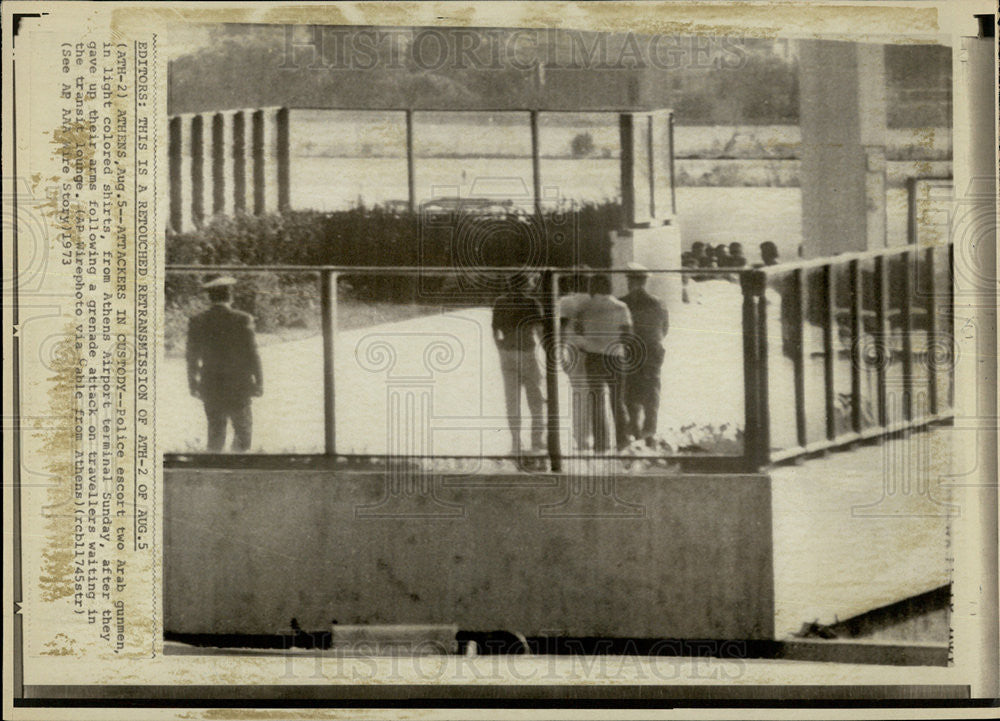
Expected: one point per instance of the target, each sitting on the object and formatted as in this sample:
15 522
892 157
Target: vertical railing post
950 314
798 290
907 267
673 193
930 306
750 419
551 347
627 167
328 309
411 170
911 211
856 360
755 434
536 164
882 337
829 278
651 166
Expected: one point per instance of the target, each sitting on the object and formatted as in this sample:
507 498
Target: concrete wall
680 556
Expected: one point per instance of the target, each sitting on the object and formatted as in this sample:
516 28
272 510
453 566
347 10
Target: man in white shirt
604 326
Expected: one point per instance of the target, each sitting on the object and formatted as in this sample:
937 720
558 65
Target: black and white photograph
509 340
467 358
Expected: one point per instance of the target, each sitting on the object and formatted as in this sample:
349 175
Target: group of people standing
705 255
612 351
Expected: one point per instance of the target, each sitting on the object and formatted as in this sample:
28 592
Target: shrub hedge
371 237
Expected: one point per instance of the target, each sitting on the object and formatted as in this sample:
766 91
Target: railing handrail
609 109
757 451
848 257
437 270
812 263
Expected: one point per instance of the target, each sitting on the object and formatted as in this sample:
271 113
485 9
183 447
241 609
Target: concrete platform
682 556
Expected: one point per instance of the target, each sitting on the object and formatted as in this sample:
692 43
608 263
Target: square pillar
647 168
193 153
842 99
243 167
227 155
271 156
206 153
220 188
281 153
175 169
650 236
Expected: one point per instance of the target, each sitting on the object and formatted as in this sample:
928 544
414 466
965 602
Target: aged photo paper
499 359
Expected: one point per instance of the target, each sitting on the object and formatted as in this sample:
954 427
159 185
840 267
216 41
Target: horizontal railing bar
610 109
367 463
865 435
846 258
179 456
439 270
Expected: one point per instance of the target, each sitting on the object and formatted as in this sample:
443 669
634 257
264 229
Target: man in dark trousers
224 366
517 327
650 323
604 325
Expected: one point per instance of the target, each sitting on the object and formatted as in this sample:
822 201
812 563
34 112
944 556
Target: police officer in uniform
223 366
650 323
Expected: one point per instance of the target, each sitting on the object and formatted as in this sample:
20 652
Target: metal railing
239 159
853 294
870 309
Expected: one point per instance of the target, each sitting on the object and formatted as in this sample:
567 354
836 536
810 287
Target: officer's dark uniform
642 384
224 371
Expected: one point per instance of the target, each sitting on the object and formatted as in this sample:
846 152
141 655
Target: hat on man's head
218 281
637 270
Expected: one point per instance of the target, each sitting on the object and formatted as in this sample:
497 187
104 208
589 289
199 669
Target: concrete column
209 166
175 169
204 155
218 150
974 232
257 155
842 118
270 154
282 153
227 165
243 167
646 202
661 163
657 248
633 132
193 181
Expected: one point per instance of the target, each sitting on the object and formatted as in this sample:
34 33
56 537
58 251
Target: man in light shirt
604 326
574 288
